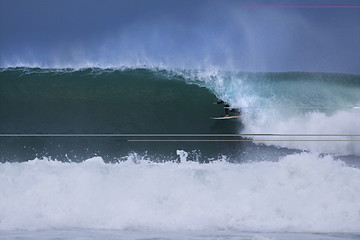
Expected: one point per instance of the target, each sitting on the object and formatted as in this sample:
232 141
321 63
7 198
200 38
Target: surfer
227 107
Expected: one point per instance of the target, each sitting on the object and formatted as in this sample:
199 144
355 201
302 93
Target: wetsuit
226 107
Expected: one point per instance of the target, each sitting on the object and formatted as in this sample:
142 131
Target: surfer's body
228 109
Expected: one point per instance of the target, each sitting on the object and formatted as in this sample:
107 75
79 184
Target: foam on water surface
300 192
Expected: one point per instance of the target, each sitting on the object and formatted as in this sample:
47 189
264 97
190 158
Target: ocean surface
132 153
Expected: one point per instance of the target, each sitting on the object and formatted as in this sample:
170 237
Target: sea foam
300 192
341 125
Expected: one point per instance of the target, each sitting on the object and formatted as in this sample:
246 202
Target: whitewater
300 192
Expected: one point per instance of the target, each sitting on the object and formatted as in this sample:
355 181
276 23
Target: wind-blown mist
180 34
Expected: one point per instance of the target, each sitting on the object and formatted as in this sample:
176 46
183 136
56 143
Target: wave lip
300 193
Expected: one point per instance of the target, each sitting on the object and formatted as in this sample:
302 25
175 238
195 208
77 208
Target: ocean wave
162 100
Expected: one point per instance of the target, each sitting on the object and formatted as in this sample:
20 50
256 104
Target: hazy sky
281 35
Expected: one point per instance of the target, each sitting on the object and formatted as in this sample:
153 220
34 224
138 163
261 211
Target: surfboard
225 118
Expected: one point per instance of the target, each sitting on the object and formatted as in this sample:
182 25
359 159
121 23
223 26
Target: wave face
103 101
128 101
142 195
175 101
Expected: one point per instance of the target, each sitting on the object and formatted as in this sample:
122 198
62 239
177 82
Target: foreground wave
299 193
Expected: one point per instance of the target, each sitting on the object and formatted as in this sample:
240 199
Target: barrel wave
174 101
